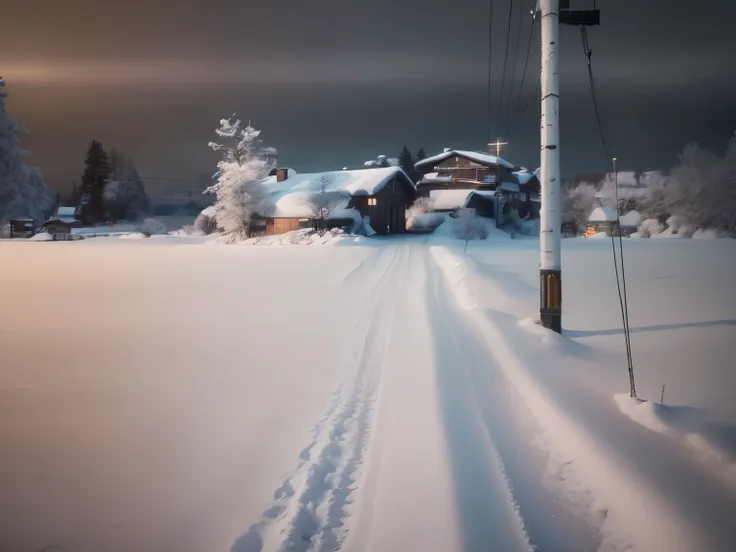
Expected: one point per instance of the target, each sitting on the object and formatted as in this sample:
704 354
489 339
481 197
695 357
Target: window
371 202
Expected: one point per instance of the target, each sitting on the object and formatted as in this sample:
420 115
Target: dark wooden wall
388 216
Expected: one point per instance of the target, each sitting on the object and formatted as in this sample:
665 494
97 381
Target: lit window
371 201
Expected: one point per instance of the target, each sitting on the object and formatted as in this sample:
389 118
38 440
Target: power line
505 58
513 66
522 112
622 295
490 57
526 64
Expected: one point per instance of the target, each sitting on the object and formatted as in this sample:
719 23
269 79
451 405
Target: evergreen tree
23 192
125 195
420 156
94 178
407 163
74 196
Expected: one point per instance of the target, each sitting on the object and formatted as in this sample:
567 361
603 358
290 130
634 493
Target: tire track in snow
309 508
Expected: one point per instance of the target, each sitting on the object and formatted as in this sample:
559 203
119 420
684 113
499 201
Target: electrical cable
523 73
505 59
513 67
622 296
490 57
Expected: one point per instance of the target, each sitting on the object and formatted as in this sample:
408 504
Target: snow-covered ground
175 393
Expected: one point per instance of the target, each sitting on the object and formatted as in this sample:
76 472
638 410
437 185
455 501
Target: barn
378 197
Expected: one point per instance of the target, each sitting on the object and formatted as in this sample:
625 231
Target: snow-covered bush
650 227
469 226
342 216
152 226
239 193
206 222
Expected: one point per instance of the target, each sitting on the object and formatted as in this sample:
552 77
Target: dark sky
335 82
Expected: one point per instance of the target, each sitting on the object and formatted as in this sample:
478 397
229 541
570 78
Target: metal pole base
550 306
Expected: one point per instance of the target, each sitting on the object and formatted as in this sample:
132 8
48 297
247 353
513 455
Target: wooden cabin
378 196
459 169
499 186
21 227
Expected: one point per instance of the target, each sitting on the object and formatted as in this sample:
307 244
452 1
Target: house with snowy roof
65 219
374 200
603 219
481 181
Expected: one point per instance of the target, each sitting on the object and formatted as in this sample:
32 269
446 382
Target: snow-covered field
175 393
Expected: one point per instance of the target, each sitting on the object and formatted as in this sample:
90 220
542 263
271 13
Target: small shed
604 219
483 202
58 228
22 227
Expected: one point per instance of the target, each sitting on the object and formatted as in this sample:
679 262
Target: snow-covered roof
510 187
524 176
489 194
448 199
433 178
477 156
632 218
486 194
292 197
300 204
603 214
355 182
66 214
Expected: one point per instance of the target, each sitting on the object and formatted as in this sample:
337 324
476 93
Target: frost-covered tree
692 190
322 203
125 194
95 177
23 192
579 202
382 161
239 194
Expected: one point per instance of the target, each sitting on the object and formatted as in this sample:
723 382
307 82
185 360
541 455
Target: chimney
282 174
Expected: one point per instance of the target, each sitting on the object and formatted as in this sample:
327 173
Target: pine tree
125 195
407 163
23 192
94 179
420 156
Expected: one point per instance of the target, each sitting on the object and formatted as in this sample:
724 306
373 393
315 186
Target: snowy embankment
641 489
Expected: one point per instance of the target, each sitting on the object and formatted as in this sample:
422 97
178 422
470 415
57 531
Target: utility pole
498 145
553 12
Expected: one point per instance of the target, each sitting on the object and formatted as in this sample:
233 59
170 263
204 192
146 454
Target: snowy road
167 395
